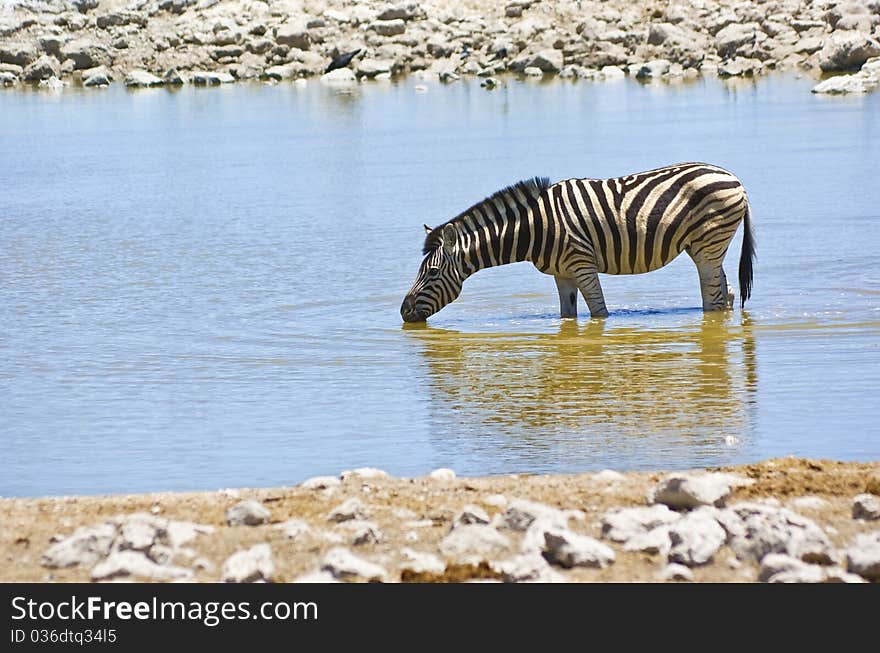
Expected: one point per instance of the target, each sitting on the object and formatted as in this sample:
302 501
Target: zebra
577 228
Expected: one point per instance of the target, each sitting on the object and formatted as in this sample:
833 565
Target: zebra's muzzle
409 313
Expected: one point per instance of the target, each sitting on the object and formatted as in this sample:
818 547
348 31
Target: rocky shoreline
781 520
96 43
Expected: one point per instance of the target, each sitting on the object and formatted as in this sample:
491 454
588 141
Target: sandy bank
159 42
782 520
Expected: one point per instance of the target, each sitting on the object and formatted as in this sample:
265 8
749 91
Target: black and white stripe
578 228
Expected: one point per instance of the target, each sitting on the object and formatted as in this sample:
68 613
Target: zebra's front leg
587 279
567 296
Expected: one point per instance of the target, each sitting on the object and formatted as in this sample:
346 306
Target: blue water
200 289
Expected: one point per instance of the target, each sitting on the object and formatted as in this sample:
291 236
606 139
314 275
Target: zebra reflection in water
593 383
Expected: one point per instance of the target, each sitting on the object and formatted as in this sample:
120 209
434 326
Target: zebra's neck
501 229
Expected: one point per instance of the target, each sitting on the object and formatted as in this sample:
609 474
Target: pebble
350 509
863 556
247 513
695 538
808 503
85 546
294 528
442 474
755 530
421 562
474 541
314 577
471 514
866 506
121 564
521 513
624 523
496 500
363 532
674 571
683 491
527 568
570 549
342 564
249 566
608 476
363 473
320 483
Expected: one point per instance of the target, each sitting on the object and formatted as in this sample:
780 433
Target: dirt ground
418 513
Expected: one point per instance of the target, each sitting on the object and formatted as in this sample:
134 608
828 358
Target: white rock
134 563
85 546
674 571
247 513
655 541
142 78
320 483
533 539
756 529
470 514
203 78
808 503
679 491
474 542
422 562
280 73
612 72
363 532
496 500
650 70
847 50
857 84
364 473
521 513
527 568
388 27
866 506
249 566
781 568
622 524
138 534
340 76
609 475
569 549
350 509
443 474
695 538
179 533
314 577
294 528
863 556
344 565
532 71
838 574
547 61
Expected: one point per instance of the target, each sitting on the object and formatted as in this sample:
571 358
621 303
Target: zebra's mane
529 187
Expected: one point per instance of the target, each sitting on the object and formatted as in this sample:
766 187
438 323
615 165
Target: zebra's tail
746 259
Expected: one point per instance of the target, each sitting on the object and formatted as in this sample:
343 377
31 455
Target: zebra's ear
449 239
428 229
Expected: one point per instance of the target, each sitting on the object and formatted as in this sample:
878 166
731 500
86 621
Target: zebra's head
439 279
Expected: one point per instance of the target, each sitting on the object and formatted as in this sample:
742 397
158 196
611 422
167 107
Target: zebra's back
641 222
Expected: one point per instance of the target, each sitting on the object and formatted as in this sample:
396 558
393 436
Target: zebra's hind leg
717 294
587 279
567 296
